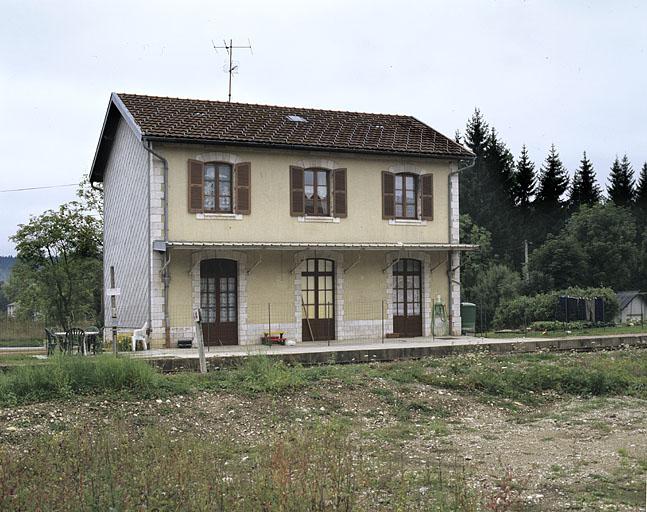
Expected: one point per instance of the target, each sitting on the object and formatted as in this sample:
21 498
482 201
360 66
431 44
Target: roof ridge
221 102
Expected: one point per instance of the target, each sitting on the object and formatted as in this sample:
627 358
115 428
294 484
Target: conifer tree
553 181
548 204
641 189
584 189
524 180
475 138
500 164
621 182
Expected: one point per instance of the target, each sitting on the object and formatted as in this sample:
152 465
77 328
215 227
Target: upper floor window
219 187
407 196
316 191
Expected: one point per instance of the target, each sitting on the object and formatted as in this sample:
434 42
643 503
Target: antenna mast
230 50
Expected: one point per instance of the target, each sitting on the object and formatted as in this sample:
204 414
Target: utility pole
526 272
230 50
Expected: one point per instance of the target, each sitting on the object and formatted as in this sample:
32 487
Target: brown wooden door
318 298
407 300
219 301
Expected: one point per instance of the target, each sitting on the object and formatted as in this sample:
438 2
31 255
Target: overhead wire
39 188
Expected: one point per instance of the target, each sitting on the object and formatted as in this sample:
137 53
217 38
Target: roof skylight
296 119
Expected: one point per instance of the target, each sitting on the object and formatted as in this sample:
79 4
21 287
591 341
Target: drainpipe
450 256
103 245
167 257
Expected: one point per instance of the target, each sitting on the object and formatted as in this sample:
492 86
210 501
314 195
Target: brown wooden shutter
388 195
427 196
243 187
196 185
297 204
339 190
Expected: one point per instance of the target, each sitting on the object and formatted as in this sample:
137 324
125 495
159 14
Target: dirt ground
574 454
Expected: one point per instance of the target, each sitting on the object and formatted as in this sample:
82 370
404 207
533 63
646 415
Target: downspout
450 255
147 145
103 250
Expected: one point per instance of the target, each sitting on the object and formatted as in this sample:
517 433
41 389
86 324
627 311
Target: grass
66 376
319 469
21 343
529 379
589 331
328 461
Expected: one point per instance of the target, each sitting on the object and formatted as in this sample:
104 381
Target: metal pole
113 307
269 320
197 318
231 53
382 321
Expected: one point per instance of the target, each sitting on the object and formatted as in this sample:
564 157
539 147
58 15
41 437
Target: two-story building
318 223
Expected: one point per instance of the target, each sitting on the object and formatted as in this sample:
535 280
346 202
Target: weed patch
320 469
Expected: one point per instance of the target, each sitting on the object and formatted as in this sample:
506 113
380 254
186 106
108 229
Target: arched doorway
407 297
219 301
318 300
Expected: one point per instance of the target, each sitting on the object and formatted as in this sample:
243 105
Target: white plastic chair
140 335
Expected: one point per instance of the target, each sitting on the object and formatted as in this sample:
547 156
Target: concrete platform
359 351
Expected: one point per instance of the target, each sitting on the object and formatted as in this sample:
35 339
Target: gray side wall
126 245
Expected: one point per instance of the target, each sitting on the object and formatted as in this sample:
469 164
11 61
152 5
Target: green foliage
553 181
641 189
621 182
527 378
473 263
4 301
596 248
584 189
607 237
58 273
523 310
524 180
559 326
6 263
66 376
254 374
497 283
561 260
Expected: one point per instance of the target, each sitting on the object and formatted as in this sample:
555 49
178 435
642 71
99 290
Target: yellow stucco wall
272 282
270 218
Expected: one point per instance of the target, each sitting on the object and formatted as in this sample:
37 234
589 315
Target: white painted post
197 319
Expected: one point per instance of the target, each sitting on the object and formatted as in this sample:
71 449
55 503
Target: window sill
407 222
218 216
315 218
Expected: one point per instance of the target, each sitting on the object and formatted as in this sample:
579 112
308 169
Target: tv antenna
233 67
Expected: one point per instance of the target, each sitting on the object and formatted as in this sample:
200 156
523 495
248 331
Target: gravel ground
573 454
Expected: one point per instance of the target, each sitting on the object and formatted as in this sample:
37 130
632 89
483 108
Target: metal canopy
161 246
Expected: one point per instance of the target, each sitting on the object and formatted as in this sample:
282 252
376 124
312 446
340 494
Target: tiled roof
242 123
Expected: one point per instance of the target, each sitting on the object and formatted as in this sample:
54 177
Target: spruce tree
524 180
641 189
621 182
500 164
584 189
475 138
548 204
553 181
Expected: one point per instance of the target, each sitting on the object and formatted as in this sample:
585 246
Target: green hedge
524 310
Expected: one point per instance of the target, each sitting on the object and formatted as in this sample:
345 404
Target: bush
524 310
558 326
64 376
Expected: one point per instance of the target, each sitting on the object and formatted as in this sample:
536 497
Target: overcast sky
570 73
